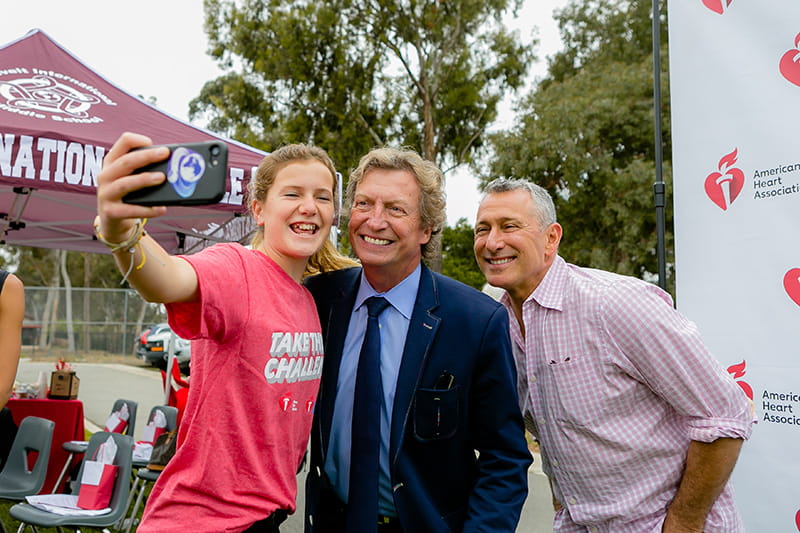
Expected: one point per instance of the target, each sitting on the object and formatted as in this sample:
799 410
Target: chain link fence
107 320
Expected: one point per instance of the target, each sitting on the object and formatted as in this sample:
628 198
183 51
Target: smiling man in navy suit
416 427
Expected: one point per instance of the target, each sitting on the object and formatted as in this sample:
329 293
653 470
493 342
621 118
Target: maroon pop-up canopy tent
58 119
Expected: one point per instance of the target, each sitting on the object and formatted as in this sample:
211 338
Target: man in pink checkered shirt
639 425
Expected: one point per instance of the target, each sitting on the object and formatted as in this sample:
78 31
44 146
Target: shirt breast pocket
436 413
579 389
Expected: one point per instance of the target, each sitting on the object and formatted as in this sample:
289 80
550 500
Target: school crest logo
39 94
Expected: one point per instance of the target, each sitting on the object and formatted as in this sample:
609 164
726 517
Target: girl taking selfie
256 344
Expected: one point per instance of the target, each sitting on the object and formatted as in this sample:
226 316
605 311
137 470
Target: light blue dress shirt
394 323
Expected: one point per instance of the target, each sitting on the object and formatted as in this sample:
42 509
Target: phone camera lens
215 150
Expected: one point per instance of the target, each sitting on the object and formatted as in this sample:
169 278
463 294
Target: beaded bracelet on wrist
129 243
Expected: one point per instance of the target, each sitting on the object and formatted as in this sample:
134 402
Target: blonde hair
429 178
326 258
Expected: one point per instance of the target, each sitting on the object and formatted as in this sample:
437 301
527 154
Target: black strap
269 524
3 276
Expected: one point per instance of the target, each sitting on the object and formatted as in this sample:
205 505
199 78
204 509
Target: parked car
155 344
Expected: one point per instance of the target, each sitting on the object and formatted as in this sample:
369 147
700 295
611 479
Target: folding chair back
170 413
132 410
18 479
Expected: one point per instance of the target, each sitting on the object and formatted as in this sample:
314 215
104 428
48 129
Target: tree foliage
36 267
458 258
586 134
350 75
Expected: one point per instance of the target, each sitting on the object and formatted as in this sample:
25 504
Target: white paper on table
63 504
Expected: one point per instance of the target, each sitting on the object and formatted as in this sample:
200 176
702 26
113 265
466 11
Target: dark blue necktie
362 502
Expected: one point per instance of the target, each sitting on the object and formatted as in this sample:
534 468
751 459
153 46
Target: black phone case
196 175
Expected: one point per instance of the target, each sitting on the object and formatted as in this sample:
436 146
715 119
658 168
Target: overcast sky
157 48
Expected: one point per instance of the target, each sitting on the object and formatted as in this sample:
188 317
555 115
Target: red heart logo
715 191
797 520
717 6
724 186
748 390
791 282
790 63
738 371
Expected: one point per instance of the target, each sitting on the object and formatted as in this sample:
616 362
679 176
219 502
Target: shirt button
533 379
542 421
572 500
554 462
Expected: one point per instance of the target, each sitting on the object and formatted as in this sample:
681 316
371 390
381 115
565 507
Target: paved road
101 384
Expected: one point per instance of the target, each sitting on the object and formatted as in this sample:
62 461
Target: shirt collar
402 296
550 292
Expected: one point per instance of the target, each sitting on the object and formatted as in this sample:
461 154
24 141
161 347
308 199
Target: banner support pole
659 187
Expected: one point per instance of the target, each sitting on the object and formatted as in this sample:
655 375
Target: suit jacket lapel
339 313
421 333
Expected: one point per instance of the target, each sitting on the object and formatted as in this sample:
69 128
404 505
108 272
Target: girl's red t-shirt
256 363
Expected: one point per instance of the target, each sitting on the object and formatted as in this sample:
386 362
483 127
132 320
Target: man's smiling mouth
373 240
499 260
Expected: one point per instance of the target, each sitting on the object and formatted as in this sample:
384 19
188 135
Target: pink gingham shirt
618 383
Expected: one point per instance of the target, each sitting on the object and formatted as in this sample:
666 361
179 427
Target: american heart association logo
738 371
724 186
791 283
717 6
790 63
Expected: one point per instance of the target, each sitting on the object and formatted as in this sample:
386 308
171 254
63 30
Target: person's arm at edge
708 467
12 312
156 275
706 396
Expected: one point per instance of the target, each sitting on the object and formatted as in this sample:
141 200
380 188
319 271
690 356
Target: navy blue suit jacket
440 484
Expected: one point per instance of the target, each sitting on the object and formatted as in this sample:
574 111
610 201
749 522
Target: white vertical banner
735 97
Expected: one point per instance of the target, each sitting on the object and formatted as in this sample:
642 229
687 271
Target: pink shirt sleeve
658 346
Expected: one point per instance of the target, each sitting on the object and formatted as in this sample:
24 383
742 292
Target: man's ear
554 232
427 233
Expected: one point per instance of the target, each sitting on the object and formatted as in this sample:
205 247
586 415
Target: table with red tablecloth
68 418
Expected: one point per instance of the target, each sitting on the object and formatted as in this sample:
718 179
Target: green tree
586 134
458 259
349 75
36 268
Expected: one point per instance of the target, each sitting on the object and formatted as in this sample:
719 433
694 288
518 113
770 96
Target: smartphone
195 173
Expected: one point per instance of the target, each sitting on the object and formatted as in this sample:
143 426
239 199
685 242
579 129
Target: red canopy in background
58 119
